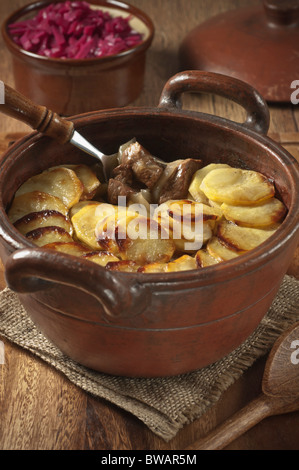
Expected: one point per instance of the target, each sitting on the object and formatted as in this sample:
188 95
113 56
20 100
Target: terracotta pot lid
259 45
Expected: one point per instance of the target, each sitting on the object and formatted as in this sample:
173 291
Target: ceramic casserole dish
153 325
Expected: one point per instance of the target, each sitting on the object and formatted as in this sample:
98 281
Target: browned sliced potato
183 263
153 268
194 189
100 257
189 210
134 237
237 187
35 201
45 218
190 224
123 266
242 239
88 178
59 182
145 241
191 242
86 221
215 204
203 259
73 210
262 215
45 235
109 229
220 252
71 248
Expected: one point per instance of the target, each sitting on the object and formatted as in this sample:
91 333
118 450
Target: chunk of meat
177 185
116 188
145 166
124 173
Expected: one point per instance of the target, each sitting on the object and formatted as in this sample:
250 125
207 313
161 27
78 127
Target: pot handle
258 117
33 269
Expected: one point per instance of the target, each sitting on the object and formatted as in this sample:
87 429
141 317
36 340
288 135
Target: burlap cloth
165 405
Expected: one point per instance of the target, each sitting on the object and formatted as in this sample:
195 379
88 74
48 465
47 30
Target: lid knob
282 12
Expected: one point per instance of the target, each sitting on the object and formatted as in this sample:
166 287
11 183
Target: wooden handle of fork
37 117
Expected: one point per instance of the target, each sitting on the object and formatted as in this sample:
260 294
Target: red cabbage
73 30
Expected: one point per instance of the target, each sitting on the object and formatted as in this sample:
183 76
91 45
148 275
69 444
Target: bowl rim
114 4
251 261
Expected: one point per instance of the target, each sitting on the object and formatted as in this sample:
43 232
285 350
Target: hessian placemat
165 405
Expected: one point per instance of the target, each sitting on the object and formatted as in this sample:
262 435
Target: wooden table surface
39 408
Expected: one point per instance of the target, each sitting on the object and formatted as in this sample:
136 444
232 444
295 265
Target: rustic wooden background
39 408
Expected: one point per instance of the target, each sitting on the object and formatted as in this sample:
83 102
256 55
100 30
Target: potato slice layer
189 224
45 235
262 215
73 210
183 263
45 218
242 239
101 257
123 266
85 223
194 189
143 240
237 187
35 201
59 182
227 211
204 259
220 252
88 179
70 248
153 268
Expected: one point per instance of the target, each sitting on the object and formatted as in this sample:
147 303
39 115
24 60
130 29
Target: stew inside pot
151 217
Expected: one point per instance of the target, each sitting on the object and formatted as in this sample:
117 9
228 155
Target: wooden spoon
280 394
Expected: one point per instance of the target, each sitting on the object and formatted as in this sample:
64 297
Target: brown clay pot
77 86
153 325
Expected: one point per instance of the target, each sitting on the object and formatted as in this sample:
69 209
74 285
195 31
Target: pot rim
237 267
106 60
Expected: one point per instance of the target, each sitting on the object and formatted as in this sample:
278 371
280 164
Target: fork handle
37 117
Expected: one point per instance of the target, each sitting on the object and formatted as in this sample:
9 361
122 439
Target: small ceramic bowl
70 86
